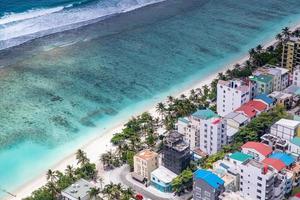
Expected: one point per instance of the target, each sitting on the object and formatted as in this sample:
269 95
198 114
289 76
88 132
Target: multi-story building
204 129
256 180
144 163
207 185
296 76
291 54
232 94
280 76
285 129
176 153
264 83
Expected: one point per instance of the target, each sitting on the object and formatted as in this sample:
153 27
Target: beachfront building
290 53
207 185
176 153
77 191
204 129
252 109
232 94
144 163
296 76
280 76
285 129
264 83
161 179
257 150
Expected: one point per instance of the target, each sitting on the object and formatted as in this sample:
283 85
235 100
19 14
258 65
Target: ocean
69 68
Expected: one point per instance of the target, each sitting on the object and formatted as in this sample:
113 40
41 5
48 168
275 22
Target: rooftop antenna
7 192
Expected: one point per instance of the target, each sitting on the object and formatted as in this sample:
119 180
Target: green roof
184 120
240 156
262 78
296 141
204 114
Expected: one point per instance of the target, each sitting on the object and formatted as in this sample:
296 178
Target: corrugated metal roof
284 157
209 177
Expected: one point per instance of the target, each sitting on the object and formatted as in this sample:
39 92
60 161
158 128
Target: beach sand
95 147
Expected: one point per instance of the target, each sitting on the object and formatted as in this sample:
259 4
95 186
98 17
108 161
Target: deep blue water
57 89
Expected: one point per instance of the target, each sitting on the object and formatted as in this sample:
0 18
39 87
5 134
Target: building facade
290 54
285 129
232 94
176 153
207 185
264 83
144 163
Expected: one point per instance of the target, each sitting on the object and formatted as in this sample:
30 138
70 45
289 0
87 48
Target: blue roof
204 114
284 157
209 177
265 98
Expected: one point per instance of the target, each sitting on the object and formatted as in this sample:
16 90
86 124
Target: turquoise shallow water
57 89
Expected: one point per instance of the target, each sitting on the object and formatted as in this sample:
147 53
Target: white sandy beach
101 144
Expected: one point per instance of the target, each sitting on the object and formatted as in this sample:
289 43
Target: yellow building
145 162
291 53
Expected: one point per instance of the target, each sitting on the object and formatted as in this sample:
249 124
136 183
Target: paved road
127 180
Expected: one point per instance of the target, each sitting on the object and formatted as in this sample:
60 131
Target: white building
256 180
77 191
204 129
232 94
296 76
285 129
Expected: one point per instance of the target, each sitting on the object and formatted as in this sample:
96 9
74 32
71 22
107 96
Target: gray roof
78 190
238 117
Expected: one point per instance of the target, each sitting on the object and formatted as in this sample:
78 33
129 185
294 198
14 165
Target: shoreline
91 147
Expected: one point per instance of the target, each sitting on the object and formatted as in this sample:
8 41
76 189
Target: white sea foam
16 29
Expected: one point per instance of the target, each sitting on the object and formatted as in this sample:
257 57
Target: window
258 184
259 191
207 194
259 178
258 197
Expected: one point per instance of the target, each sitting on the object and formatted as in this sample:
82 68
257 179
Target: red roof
297 195
275 163
250 109
259 147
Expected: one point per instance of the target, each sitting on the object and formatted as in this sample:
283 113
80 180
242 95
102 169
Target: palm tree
259 48
51 176
81 157
70 171
252 52
286 32
182 96
52 188
279 37
161 108
170 99
94 193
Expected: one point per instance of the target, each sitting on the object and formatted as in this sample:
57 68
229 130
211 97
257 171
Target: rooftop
262 78
146 154
184 120
175 140
240 156
292 89
288 123
280 95
205 114
209 177
283 70
259 147
163 174
238 117
78 190
284 157
275 163
250 109
264 98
